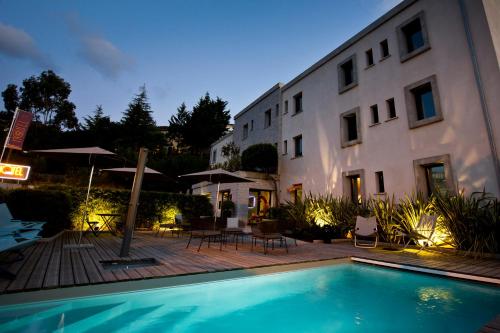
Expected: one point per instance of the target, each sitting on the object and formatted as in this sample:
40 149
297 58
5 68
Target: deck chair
9 225
205 229
267 231
423 232
365 227
14 243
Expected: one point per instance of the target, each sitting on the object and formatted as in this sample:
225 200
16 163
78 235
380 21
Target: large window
412 37
347 74
422 102
350 128
259 202
297 143
245 131
297 99
267 118
434 174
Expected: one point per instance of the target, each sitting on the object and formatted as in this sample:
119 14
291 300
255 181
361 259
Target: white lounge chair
365 227
14 243
8 225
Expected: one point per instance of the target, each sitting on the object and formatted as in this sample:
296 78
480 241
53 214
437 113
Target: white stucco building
409 103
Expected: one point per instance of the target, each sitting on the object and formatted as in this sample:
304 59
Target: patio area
49 265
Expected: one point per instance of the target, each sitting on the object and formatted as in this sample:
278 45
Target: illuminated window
434 174
435 178
384 49
353 184
295 193
347 74
412 37
267 118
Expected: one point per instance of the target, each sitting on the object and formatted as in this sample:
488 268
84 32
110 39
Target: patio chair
267 231
365 227
14 243
423 232
93 226
205 229
175 226
9 225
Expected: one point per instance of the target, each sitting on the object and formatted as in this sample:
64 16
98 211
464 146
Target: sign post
18 129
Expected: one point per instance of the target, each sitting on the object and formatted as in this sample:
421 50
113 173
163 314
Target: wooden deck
50 265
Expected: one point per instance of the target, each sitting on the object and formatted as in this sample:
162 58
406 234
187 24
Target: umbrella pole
85 213
216 204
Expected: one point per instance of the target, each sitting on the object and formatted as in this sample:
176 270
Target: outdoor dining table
107 218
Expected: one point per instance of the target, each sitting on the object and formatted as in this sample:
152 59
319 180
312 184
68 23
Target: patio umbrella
215 176
92 153
133 170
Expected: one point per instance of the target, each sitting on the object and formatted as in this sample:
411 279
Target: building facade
410 103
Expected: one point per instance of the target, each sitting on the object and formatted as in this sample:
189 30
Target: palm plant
386 212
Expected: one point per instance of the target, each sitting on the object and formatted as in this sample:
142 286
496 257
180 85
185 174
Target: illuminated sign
18 129
12 171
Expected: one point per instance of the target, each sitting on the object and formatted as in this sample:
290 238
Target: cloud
98 52
104 57
16 43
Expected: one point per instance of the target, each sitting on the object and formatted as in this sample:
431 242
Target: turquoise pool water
340 298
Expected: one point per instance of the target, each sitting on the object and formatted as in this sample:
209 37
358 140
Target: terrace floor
49 265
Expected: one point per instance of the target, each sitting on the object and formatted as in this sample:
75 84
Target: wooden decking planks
51 265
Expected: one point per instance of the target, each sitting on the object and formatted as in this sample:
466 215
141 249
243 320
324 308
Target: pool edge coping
102 289
431 271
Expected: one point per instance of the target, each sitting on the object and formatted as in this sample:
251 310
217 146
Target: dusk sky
179 49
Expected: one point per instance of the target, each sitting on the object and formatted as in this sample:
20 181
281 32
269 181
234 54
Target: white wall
217 147
391 146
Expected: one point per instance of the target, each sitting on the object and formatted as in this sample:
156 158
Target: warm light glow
13 171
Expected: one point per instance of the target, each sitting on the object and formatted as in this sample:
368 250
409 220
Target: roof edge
372 26
260 98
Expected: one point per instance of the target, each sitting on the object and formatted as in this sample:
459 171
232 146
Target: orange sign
20 125
12 171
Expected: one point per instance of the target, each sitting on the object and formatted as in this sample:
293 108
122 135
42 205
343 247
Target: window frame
420 170
268 118
341 76
375 116
404 54
244 135
296 97
369 58
384 44
344 138
346 183
295 138
380 182
388 103
411 106
285 147
286 107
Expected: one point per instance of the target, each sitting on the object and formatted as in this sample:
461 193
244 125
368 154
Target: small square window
350 124
369 57
412 37
422 102
297 143
277 110
374 112
267 118
245 131
347 74
391 108
379 177
286 107
384 49
298 103
285 147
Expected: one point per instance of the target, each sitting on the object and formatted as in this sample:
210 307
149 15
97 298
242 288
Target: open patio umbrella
92 153
215 176
133 170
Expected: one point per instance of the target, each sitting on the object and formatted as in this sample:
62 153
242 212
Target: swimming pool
340 298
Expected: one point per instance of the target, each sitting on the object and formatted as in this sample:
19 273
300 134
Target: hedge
62 207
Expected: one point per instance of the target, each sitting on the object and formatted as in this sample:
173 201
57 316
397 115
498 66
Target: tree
232 154
10 98
46 96
100 130
178 125
260 157
139 128
208 122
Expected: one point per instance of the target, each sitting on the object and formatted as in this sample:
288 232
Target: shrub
260 157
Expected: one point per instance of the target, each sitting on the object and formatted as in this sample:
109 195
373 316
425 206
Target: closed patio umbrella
215 176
